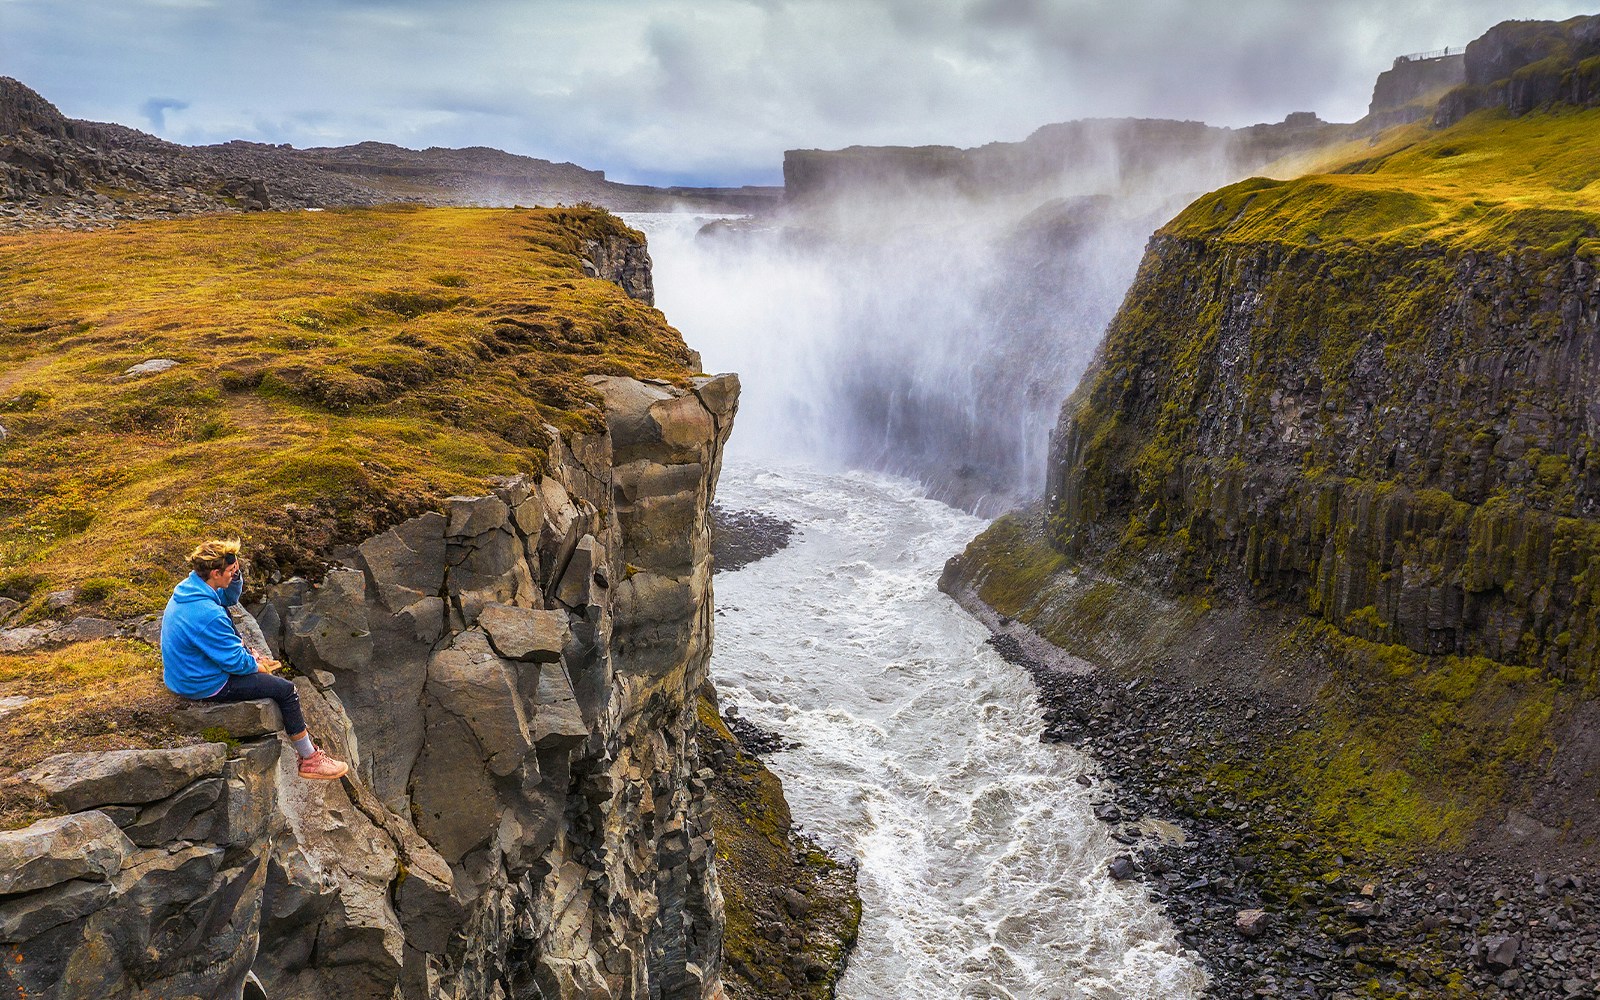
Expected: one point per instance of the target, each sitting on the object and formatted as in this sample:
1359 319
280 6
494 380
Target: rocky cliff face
1409 90
1414 468
514 679
1523 65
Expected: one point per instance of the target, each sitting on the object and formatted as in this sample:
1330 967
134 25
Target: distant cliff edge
65 173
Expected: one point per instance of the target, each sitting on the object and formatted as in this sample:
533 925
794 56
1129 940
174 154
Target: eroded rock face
1436 487
624 262
513 681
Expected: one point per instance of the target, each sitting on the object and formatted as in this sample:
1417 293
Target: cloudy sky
710 91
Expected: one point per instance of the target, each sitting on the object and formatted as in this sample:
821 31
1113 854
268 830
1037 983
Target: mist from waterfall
925 312
927 330
941 351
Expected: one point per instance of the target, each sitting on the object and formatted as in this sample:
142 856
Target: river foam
983 870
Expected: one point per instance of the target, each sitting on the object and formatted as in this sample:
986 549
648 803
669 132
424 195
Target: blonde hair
210 556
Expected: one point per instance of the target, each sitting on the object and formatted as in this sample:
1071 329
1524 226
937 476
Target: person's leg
246 687
313 762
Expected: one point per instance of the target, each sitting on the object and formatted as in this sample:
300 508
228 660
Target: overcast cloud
710 91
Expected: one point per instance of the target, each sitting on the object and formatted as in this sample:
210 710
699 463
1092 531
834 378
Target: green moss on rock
792 911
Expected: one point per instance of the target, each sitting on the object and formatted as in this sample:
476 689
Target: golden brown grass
339 371
1489 182
102 695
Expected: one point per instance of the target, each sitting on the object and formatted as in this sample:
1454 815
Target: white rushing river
983 870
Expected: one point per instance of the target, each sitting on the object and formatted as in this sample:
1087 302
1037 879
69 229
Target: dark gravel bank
741 537
1274 912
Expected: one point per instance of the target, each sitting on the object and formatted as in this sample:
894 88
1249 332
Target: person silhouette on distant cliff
203 658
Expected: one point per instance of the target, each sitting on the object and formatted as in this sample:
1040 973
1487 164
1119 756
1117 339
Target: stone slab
524 633
28 916
84 845
239 719
78 781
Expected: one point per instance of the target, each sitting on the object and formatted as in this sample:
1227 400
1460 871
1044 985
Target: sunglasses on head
229 559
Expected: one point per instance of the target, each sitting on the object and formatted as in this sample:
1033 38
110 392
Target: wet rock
741 537
1122 868
1107 812
1250 923
755 739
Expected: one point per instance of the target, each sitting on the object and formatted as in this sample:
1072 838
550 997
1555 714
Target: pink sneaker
320 767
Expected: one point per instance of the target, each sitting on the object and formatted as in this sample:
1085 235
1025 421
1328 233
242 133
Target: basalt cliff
517 672
1327 498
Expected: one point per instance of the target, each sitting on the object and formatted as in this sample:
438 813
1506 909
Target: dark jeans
245 687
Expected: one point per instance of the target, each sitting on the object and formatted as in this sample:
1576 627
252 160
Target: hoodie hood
195 589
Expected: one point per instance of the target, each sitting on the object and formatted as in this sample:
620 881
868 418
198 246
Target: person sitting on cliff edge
203 658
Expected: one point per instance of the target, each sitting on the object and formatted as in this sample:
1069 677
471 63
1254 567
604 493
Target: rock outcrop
514 679
623 262
1410 89
1523 65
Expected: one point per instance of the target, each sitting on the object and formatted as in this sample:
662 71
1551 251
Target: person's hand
266 664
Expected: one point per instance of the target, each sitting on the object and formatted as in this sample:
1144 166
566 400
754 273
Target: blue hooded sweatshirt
199 647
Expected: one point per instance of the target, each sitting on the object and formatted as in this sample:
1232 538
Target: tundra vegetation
337 372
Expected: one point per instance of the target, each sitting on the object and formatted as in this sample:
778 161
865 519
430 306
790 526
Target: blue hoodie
199 647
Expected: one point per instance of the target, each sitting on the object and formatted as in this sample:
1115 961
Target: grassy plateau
336 372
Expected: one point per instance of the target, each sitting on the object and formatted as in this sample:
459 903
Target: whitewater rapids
983 869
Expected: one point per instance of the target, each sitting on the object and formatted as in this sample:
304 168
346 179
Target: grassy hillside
1490 182
338 371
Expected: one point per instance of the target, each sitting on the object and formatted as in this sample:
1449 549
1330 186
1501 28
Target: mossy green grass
336 371
1398 753
1492 181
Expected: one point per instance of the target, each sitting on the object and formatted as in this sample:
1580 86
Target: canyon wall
1337 451
1399 441
514 679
